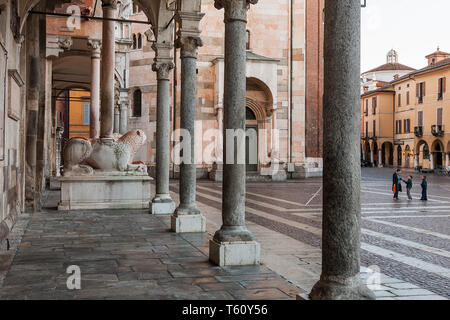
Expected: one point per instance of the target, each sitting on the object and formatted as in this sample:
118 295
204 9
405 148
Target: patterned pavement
131 255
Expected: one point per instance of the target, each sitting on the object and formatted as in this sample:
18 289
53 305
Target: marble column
234 244
94 128
187 217
123 118
341 226
162 204
107 71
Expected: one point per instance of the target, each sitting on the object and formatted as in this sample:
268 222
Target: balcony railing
437 130
418 131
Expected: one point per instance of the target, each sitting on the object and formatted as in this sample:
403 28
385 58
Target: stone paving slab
137 258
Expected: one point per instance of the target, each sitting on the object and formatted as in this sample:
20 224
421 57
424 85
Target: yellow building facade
407 122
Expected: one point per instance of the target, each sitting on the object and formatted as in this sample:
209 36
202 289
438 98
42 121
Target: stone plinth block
240 253
163 207
188 223
105 192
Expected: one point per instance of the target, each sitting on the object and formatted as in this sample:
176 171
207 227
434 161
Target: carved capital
189 46
94 45
110 4
65 44
163 69
235 10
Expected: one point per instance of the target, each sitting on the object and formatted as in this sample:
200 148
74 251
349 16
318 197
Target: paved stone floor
132 255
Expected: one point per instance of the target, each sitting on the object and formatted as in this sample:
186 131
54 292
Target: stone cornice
235 10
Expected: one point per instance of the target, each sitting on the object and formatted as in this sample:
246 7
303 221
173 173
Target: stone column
107 71
123 118
233 244
187 217
94 130
380 160
162 203
416 160
431 161
447 160
32 105
116 118
341 227
371 157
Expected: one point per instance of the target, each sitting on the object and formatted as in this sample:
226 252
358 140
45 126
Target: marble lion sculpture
82 156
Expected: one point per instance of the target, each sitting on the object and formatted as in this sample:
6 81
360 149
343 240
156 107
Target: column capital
94 45
188 45
163 69
110 4
235 10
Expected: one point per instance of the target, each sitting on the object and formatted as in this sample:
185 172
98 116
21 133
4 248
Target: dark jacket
409 184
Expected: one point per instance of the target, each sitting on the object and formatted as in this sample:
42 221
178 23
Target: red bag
393 188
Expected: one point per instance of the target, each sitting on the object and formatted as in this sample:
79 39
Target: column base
188 223
349 289
162 207
241 253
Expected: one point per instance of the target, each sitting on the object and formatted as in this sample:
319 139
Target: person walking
409 185
396 183
424 186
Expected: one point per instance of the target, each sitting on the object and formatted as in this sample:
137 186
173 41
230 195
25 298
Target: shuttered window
374 128
442 83
407 98
439 117
399 100
420 118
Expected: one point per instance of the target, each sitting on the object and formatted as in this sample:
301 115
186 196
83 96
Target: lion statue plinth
82 156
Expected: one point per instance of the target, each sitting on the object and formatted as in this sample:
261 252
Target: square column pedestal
162 207
105 191
188 223
241 253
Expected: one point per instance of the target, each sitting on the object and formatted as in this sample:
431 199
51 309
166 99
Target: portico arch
437 151
423 155
387 154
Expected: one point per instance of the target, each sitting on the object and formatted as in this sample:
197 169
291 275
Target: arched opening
367 151
139 41
375 154
408 156
137 103
423 155
387 154
134 42
399 156
251 141
438 154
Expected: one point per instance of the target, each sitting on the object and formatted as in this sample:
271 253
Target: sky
414 28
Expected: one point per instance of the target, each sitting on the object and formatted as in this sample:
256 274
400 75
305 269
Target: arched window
134 42
139 45
247 44
137 103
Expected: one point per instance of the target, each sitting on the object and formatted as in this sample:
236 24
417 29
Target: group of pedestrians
397 185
